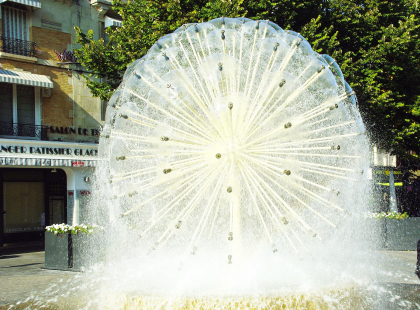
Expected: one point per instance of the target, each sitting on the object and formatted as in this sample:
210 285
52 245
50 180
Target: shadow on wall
87 110
91 126
55 108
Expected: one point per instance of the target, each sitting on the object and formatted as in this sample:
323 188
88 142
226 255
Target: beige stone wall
49 40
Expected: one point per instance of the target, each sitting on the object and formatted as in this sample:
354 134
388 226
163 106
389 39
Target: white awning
25 78
109 22
32 3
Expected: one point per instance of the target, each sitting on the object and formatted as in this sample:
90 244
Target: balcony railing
17 46
24 130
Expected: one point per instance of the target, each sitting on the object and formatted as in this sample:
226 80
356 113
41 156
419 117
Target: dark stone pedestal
57 251
71 252
402 235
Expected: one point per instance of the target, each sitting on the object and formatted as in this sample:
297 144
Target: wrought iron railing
17 46
24 130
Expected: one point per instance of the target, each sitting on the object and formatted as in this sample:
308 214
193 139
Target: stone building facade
49 121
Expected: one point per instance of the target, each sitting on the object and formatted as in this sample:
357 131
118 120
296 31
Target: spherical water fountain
235 162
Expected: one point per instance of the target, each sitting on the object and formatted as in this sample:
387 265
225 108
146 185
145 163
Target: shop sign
70 206
386 172
19 161
17 149
71 130
23 229
33 153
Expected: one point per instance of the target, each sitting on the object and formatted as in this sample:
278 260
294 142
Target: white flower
65 228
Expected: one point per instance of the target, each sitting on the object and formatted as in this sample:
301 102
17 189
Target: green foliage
144 22
389 215
58 229
375 42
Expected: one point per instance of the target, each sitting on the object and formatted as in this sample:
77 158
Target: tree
144 22
376 43
380 42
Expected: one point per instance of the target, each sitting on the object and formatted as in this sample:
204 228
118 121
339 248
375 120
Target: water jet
240 142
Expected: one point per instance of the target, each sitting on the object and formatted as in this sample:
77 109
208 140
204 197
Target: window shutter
25 104
14 23
6 103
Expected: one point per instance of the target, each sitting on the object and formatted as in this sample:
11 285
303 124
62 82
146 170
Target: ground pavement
22 273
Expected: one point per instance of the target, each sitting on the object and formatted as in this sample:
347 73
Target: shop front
42 183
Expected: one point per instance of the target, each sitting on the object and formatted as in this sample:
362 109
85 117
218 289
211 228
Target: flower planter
376 237
72 248
56 251
402 235
84 251
393 234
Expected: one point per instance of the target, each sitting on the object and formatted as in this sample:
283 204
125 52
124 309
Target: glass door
57 210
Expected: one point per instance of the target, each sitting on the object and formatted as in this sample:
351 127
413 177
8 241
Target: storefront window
30 200
24 205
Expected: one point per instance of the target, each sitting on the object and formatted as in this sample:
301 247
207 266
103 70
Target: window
25 104
6 104
112 20
102 33
15 31
20 110
104 104
14 23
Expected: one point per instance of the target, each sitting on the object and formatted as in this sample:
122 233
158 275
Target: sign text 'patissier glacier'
16 149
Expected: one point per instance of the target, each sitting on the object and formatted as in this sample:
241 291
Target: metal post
392 195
